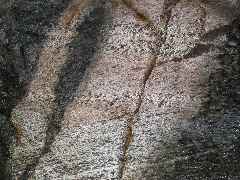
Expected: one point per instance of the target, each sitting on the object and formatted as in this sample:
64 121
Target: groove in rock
205 45
129 126
139 15
72 12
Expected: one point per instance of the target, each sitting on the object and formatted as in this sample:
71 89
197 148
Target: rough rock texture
120 89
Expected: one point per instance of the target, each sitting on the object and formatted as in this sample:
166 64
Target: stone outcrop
120 89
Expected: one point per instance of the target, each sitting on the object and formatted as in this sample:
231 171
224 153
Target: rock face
120 89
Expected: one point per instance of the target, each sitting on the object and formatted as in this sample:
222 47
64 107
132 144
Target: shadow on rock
209 148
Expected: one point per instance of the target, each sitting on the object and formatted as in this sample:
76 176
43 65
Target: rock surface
120 89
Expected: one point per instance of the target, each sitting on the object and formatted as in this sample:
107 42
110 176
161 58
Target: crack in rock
152 64
138 14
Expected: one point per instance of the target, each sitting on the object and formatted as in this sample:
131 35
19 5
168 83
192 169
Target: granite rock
120 89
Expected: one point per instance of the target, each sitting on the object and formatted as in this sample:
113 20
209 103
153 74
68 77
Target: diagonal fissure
138 14
147 74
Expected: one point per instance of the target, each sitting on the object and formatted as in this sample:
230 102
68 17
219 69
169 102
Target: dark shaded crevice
169 6
214 33
197 51
232 31
81 51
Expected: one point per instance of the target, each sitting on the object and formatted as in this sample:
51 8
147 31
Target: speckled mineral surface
119 89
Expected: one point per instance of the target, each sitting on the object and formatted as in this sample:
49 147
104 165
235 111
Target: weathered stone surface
87 151
120 89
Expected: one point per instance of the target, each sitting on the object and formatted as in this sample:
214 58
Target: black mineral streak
82 49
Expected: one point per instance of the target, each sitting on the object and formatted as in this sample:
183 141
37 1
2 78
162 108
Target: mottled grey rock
121 89
82 152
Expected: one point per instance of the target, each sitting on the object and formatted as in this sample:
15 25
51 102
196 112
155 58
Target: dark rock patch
23 25
82 49
209 147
